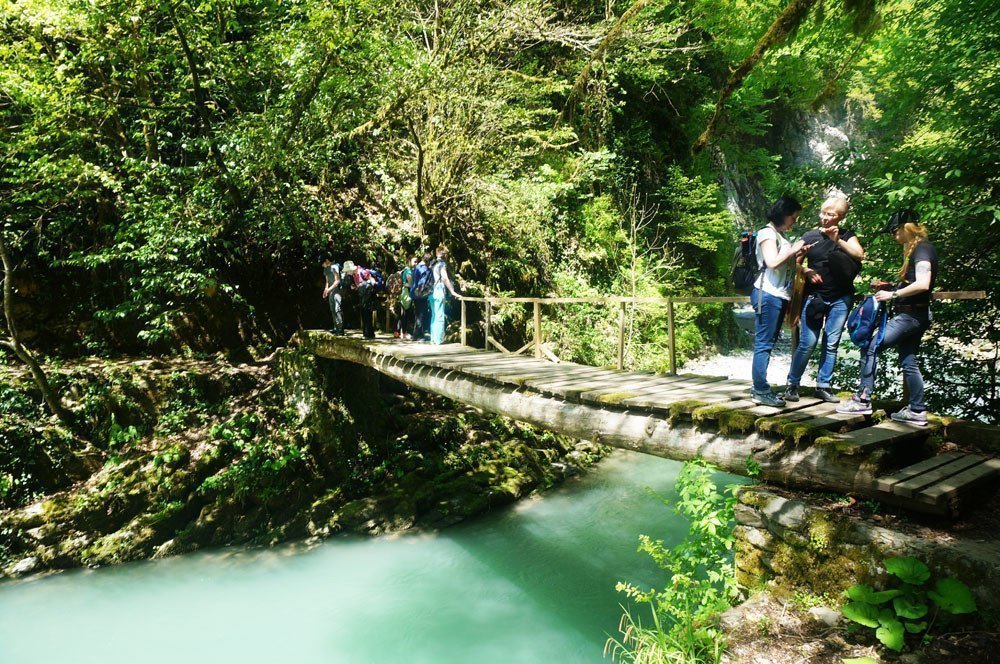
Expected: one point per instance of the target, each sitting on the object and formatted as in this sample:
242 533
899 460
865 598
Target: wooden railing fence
537 345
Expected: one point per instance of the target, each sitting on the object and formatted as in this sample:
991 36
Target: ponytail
915 234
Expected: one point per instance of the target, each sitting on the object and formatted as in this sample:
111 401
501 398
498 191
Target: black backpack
745 266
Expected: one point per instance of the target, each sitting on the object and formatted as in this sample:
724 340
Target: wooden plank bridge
805 444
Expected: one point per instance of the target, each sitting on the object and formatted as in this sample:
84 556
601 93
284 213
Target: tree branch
598 54
784 25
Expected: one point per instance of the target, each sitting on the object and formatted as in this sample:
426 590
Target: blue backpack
377 276
867 322
423 283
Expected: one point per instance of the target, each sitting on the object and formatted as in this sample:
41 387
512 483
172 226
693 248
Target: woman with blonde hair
910 300
442 281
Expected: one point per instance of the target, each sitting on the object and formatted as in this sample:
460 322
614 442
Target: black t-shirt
924 251
818 258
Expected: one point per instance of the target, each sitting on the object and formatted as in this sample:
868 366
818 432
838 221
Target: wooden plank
963 482
560 379
614 381
653 386
886 482
884 434
616 392
825 416
908 488
427 351
499 362
522 376
663 400
571 388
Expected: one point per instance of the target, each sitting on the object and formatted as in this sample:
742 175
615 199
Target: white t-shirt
777 282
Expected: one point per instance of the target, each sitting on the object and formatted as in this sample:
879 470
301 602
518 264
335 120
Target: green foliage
268 458
701 578
909 602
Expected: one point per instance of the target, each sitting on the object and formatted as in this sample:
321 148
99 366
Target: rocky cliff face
802 139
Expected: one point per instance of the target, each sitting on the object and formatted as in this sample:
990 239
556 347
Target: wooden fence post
621 336
538 329
463 337
486 324
670 335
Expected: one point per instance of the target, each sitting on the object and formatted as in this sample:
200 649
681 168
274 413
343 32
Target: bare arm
921 284
774 258
446 280
852 248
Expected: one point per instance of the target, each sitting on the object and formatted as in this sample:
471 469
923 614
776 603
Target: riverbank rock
190 454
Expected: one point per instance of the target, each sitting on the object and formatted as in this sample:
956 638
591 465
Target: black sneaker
767 399
791 394
826 395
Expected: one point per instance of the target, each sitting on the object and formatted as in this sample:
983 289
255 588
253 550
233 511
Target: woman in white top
772 291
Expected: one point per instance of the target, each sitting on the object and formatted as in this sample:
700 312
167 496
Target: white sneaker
911 417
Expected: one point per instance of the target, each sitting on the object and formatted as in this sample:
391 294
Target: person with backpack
420 293
910 301
404 303
364 281
331 292
772 290
442 282
832 263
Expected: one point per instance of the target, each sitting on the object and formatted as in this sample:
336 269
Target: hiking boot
767 399
855 406
911 417
791 393
826 395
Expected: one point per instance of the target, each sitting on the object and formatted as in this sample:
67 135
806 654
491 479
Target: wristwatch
895 294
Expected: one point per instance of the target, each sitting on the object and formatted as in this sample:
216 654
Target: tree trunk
201 105
14 342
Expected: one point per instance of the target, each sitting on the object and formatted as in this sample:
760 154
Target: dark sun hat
900 217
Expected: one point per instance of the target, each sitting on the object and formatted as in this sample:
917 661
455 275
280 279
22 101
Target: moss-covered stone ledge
789 546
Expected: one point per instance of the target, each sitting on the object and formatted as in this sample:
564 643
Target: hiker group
417 294
810 284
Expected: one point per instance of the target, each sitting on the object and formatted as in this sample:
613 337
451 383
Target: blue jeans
904 330
770 312
336 311
835 313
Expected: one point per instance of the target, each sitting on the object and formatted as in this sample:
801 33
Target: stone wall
790 546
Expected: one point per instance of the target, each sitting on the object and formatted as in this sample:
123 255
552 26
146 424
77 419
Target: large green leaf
953 596
909 570
891 635
862 613
909 606
868 595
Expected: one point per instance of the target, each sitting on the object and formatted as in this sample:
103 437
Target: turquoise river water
530 583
